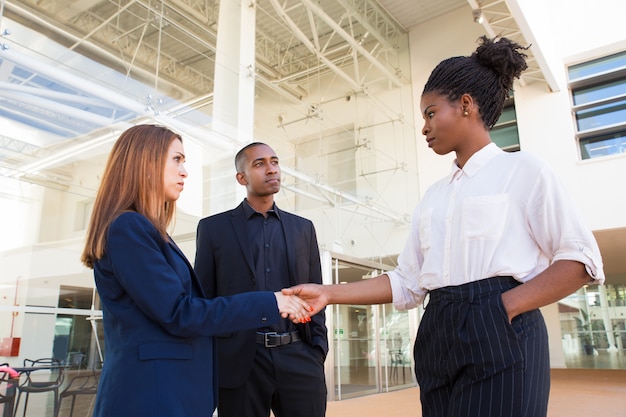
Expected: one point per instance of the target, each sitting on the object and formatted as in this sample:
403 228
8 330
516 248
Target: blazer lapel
194 278
289 230
180 253
238 221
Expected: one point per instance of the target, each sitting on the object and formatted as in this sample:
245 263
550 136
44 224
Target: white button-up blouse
502 214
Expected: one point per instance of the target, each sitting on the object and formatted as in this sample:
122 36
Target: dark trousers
288 379
471 362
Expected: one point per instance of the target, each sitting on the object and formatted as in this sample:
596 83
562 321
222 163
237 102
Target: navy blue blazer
158 326
224 266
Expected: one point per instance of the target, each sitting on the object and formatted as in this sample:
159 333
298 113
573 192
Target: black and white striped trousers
471 362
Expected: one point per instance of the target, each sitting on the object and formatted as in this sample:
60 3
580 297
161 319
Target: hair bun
502 56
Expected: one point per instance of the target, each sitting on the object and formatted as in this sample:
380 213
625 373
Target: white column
233 99
604 306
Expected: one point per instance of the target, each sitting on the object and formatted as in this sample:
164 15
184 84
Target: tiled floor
574 393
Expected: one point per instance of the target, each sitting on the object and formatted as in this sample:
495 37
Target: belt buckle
266 339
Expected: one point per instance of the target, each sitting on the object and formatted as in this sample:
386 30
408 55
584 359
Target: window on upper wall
598 89
504 132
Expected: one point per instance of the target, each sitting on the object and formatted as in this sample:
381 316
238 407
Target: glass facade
504 132
598 89
73 78
371 349
593 327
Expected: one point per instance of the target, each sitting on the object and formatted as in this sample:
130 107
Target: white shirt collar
476 161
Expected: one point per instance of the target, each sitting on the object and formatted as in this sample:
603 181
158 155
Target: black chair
86 384
8 386
75 360
397 361
33 384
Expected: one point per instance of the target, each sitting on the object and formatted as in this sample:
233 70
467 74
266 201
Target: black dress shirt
269 254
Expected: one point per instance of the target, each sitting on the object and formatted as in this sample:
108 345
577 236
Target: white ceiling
409 13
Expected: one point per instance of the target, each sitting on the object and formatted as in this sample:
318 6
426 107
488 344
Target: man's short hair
239 158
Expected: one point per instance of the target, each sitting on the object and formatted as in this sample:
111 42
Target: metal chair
32 384
86 384
397 361
75 360
8 385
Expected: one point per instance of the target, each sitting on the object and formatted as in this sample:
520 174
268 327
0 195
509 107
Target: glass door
396 347
355 344
355 351
370 347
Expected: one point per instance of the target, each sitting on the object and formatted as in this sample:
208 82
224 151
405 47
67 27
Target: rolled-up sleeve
560 230
588 256
405 288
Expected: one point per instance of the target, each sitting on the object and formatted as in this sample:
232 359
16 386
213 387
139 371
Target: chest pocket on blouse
425 228
484 217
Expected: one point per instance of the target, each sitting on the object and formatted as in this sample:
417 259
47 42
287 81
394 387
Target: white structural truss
77 70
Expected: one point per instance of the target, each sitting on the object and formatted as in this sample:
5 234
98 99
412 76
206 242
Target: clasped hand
294 307
313 294
302 301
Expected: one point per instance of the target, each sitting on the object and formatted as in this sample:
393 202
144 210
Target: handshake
300 302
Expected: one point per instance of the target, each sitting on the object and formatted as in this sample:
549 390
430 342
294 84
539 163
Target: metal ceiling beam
295 73
15 146
356 46
107 32
79 18
69 152
504 18
54 110
282 13
107 95
375 20
387 213
103 95
95 90
92 48
540 58
270 51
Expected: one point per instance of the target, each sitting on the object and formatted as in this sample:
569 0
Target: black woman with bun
489 244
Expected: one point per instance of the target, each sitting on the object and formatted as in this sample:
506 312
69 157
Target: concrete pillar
233 99
604 306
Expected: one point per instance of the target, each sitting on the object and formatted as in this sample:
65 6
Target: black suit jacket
224 266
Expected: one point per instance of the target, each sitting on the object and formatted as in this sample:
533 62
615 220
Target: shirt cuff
403 298
587 257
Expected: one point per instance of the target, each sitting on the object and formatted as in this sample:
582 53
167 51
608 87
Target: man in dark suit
258 247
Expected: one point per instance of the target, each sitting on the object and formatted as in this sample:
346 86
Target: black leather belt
273 339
